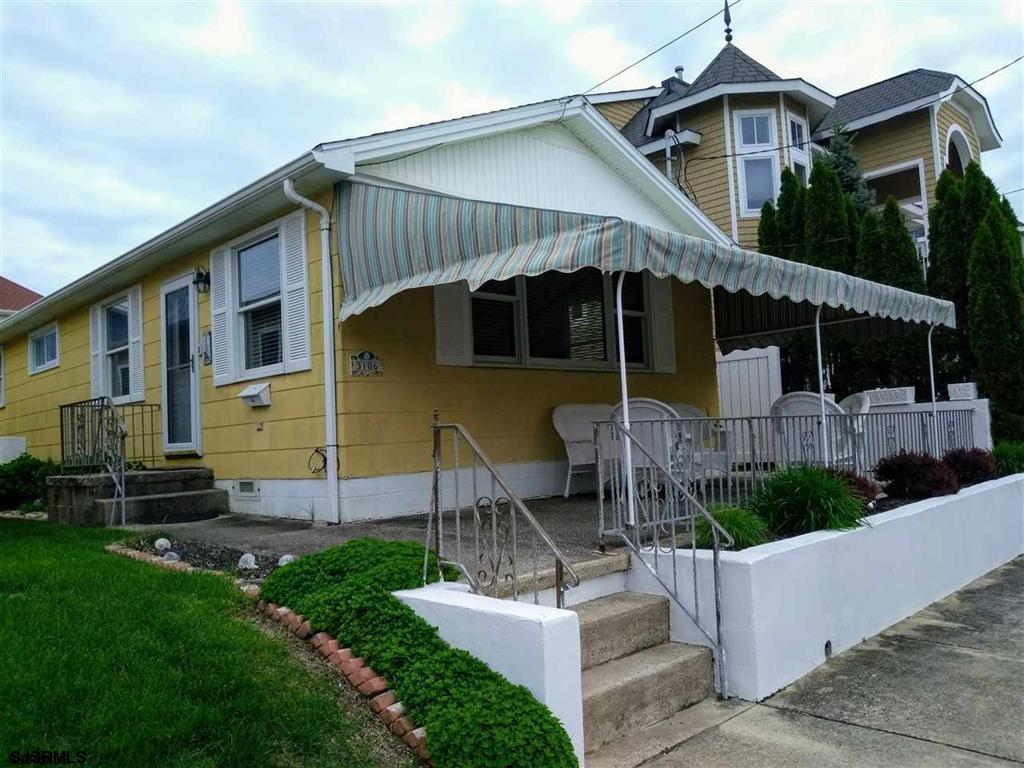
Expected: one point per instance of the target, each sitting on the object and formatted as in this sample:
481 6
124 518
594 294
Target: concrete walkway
942 688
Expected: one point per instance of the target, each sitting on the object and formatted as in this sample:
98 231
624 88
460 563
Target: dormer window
758 159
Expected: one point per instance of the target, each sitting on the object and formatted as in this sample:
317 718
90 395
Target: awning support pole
931 376
627 453
821 386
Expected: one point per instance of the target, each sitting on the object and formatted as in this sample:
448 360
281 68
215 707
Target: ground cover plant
1009 457
971 465
473 716
136 666
23 482
911 475
746 528
803 499
864 487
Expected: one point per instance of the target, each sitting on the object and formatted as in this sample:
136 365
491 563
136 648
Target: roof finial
728 21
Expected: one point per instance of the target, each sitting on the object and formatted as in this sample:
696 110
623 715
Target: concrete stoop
633 677
153 496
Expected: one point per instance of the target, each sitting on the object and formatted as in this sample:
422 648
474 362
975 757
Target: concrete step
624 695
164 507
618 625
152 482
600 565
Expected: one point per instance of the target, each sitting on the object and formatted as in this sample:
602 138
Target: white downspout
931 378
668 154
821 386
627 445
330 380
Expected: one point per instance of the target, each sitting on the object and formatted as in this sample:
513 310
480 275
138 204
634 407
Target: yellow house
211 336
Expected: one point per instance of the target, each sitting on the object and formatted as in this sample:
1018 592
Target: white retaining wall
781 602
531 645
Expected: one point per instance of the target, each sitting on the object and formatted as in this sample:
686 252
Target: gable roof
14 296
731 65
888 93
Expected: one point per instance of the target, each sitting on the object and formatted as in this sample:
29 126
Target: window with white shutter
556 320
259 303
115 339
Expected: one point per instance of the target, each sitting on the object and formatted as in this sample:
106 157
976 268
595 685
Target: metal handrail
717 534
565 576
93 435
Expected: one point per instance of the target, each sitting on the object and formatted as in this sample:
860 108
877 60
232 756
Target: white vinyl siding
259 303
758 158
556 320
116 367
43 349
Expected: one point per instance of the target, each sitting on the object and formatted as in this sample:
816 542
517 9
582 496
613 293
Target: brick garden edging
359 674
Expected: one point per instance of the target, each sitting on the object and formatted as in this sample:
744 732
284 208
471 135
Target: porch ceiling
396 239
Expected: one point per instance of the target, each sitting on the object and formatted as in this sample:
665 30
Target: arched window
958 151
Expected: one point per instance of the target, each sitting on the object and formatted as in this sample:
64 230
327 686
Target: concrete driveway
942 688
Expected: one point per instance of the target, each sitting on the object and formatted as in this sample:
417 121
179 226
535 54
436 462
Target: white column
821 386
627 445
931 376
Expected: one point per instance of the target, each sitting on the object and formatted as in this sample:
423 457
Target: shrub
971 465
746 528
861 486
1009 457
909 475
473 716
23 480
804 499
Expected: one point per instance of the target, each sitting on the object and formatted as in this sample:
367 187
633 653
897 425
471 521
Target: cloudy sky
119 119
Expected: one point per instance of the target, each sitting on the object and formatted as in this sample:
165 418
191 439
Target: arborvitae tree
826 229
869 245
947 277
768 231
853 221
790 217
842 159
996 310
898 263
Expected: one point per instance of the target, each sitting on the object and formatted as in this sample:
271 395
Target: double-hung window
115 340
259 303
799 153
758 159
43 349
560 320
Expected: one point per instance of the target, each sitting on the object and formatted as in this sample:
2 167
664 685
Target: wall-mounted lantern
201 280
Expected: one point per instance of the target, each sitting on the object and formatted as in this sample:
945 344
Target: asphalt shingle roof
15 296
731 65
634 130
893 92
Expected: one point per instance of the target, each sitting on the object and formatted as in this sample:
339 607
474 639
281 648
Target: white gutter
330 379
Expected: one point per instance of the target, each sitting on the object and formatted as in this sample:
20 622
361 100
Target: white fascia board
975 104
685 137
109 273
611 96
385 146
771 86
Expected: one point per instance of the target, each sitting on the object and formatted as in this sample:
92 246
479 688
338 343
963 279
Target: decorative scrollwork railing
501 552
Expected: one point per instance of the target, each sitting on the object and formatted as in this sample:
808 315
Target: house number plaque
365 364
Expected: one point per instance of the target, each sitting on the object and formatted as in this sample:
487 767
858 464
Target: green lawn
137 666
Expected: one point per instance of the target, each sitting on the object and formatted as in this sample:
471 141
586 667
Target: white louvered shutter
663 336
136 367
453 324
96 351
295 293
220 317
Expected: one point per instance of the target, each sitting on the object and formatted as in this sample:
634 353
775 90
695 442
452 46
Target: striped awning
394 239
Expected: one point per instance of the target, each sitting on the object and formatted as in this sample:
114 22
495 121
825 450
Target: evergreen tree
826 229
790 217
996 311
842 159
853 222
768 231
898 264
947 277
869 245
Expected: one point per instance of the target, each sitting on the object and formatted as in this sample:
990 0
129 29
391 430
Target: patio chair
660 439
798 432
575 425
711 445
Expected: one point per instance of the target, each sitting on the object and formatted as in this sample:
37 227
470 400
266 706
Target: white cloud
599 52
432 26
225 32
38 255
562 11
456 100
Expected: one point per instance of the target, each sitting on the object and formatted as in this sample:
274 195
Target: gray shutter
663 335
136 366
453 324
295 293
220 317
96 351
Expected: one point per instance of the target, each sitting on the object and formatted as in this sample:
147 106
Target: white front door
180 367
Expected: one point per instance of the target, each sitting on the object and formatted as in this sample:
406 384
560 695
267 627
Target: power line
659 49
1012 191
